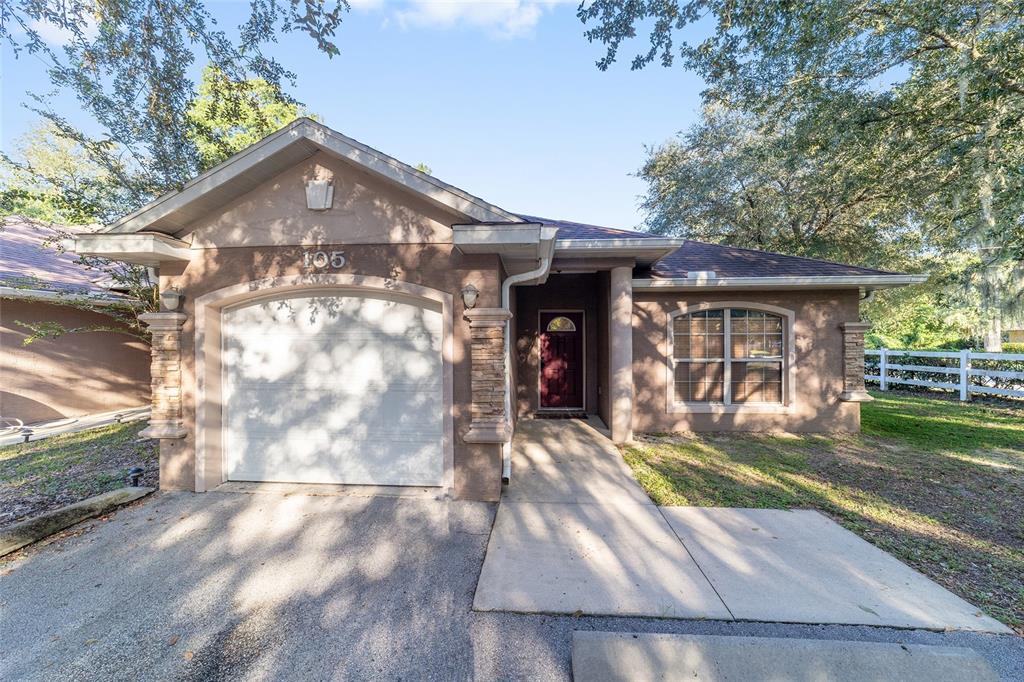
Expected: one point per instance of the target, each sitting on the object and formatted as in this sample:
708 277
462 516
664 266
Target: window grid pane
754 347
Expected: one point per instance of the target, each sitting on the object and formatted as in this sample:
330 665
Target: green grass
934 482
45 474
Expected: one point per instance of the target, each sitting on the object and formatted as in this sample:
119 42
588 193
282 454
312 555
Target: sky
501 99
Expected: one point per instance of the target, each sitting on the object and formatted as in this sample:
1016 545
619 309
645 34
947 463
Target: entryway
575 533
561 360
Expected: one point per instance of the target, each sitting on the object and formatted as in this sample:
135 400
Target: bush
1013 347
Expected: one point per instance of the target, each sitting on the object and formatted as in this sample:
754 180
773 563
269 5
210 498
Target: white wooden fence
953 370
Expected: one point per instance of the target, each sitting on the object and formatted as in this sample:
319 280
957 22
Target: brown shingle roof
733 261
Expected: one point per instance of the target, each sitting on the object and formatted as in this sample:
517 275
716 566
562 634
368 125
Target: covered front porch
572 347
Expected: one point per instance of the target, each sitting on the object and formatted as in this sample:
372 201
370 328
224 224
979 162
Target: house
73 374
337 316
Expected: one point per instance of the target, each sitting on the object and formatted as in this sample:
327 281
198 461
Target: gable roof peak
292 144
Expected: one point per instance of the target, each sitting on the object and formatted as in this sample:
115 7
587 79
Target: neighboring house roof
733 261
32 265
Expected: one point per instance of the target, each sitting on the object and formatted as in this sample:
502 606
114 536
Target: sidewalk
575 533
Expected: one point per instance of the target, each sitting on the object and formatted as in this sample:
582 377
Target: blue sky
501 99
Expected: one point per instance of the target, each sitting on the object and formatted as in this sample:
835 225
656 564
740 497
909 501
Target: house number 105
323 259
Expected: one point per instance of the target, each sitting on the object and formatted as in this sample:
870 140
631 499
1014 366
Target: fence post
883 381
965 374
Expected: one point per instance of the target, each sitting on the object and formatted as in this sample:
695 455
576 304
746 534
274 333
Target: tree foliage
227 116
916 105
128 65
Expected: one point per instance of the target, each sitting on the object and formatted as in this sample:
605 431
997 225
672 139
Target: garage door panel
338 390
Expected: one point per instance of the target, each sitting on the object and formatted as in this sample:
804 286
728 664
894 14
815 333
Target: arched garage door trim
209 464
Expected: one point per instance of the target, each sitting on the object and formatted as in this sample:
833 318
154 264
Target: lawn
938 484
45 474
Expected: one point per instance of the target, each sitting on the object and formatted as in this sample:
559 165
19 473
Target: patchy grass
42 475
936 483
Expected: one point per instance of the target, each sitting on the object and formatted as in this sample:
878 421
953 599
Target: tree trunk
994 335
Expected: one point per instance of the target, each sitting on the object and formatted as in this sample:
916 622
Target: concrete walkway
575 533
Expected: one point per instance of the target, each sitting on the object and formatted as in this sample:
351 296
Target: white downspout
506 295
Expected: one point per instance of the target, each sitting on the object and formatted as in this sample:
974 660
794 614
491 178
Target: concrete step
638 657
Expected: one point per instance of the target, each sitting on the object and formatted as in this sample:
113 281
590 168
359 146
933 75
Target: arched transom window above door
561 324
729 356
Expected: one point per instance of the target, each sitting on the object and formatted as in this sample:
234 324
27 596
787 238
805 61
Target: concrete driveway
296 587
576 533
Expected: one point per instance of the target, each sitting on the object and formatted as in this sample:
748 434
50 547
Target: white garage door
334 389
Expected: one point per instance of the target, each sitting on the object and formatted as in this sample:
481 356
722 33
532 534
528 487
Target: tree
227 116
793 187
128 62
935 91
53 179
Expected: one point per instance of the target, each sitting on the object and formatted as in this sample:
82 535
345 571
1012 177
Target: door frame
583 359
209 452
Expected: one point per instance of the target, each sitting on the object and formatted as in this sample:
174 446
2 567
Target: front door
561 360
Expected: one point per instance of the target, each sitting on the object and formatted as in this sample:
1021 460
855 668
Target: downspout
506 295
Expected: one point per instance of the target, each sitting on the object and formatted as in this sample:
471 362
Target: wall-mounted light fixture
171 299
469 295
319 195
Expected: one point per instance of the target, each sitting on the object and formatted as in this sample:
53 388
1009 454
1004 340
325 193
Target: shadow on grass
939 511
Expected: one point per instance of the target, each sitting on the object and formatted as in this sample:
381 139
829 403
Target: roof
734 261
30 260
570 230
299 140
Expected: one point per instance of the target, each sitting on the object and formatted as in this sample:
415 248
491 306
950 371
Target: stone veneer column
620 365
853 362
165 370
487 329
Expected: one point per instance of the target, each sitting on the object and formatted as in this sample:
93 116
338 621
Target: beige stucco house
343 318
71 375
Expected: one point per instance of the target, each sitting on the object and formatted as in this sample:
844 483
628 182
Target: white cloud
502 18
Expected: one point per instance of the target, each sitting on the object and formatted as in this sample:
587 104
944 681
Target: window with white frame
730 356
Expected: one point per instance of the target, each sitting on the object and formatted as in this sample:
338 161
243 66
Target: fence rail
999 374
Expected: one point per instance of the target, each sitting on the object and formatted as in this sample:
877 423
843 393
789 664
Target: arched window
728 356
561 324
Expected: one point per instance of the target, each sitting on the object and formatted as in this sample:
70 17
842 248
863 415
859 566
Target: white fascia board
821 282
476 238
644 250
332 142
142 249
64 297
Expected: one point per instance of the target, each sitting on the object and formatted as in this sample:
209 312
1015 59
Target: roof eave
330 141
644 250
865 282
63 297
147 249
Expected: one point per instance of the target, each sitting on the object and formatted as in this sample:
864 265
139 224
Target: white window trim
788 359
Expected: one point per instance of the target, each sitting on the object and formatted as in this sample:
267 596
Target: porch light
319 195
469 295
170 299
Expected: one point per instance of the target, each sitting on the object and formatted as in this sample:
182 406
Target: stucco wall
477 467
384 232
71 375
818 380
560 292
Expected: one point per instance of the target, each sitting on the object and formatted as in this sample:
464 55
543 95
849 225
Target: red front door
561 360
